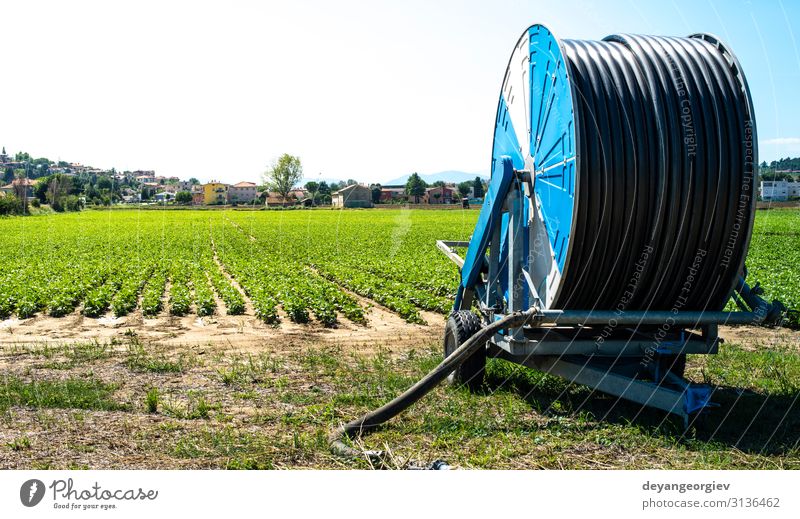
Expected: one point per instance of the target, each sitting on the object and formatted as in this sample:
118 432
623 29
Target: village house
276 200
19 184
215 193
242 193
390 193
299 193
197 195
354 195
438 195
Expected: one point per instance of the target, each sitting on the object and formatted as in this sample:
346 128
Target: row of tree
777 169
416 186
285 173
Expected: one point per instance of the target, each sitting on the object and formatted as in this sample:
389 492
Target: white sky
364 90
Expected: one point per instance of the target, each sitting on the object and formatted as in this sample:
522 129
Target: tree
58 187
20 185
284 174
351 182
376 193
147 193
312 188
477 186
464 189
104 183
183 197
41 188
8 204
90 192
323 194
193 181
415 186
439 183
73 203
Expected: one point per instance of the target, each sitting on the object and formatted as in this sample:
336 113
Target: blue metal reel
535 126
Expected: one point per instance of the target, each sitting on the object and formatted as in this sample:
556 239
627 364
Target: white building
774 190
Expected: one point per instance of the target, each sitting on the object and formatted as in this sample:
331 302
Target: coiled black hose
665 200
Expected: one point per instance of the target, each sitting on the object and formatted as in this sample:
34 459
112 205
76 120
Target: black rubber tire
461 326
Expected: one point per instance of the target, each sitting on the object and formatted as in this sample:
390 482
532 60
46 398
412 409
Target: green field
129 401
304 262
774 257
175 261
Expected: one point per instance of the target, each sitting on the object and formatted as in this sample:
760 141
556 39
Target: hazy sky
365 90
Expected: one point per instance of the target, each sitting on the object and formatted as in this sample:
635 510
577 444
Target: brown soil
755 337
383 329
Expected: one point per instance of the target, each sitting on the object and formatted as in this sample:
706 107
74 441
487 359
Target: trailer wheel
460 327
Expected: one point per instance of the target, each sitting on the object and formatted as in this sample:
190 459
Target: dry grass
131 404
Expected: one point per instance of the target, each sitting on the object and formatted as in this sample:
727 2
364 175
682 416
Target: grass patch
232 448
527 419
68 356
775 370
151 400
195 407
138 359
70 393
19 444
283 408
252 369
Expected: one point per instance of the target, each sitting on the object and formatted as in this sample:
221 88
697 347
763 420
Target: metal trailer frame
628 354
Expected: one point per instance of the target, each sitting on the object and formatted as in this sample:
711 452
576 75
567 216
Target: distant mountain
447 176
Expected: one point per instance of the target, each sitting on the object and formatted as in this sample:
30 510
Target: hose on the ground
374 419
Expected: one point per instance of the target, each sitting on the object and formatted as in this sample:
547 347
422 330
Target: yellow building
215 193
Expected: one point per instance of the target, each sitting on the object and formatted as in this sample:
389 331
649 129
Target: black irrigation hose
386 412
666 139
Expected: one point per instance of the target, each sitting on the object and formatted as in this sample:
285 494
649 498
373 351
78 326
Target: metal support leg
492 298
682 399
517 285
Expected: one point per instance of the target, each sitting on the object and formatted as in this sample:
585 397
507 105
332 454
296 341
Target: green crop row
301 265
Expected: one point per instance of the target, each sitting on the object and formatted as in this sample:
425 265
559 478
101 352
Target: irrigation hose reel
618 214
615 225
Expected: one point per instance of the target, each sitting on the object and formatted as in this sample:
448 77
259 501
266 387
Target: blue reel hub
535 127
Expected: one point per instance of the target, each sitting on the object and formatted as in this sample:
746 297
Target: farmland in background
309 264
774 257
